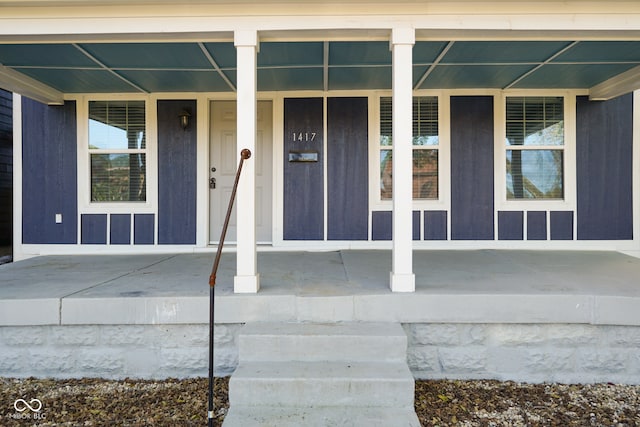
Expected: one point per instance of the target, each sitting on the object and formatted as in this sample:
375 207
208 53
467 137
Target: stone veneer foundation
568 353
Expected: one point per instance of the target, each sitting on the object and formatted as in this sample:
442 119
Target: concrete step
309 342
310 374
265 416
369 384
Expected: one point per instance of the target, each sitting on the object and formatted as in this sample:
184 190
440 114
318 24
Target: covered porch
533 316
479 286
68 56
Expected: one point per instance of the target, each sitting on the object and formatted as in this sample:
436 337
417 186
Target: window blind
117 149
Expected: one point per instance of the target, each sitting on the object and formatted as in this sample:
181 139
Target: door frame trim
204 194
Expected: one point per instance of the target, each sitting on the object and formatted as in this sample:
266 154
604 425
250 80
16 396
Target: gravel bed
96 402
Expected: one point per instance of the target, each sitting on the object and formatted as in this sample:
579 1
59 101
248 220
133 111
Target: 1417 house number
304 136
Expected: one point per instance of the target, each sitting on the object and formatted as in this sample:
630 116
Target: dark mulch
496 403
96 402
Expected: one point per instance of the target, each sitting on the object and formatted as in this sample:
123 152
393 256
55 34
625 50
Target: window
117 151
535 148
425 148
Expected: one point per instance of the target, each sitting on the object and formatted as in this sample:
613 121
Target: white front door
223 163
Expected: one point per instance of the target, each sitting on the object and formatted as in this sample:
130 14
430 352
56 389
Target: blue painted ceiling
283 66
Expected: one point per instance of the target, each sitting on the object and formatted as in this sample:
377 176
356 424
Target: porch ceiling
316 65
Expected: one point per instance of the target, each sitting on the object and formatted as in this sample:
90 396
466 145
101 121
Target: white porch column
247 279
402 277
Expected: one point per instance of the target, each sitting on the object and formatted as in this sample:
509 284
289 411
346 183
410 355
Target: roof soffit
323 21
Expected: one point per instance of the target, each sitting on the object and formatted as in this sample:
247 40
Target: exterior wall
6 167
347 177
176 174
472 181
346 169
304 181
50 186
569 353
116 351
604 168
173 222
49 173
329 202
604 145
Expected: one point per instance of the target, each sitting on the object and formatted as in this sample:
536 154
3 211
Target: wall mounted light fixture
184 119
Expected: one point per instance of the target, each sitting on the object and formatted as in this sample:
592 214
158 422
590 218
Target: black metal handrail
244 155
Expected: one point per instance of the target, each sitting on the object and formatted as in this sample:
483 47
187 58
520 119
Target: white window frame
444 157
85 205
568 202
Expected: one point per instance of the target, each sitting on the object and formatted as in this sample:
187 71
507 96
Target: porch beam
621 84
247 279
542 64
17 82
215 66
434 65
402 277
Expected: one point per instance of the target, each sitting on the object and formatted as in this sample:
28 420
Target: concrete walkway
484 286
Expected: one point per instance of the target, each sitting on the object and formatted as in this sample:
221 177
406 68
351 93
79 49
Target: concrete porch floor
485 286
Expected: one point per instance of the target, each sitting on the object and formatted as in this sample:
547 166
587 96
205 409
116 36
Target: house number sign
303 156
304 136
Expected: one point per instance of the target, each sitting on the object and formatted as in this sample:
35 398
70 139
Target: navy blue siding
347 169
561 225
303 181
472 168
120 230
382 225
49 173
435 225
143 229
604 152
176 173
510 225
416 225
94 229
536 225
